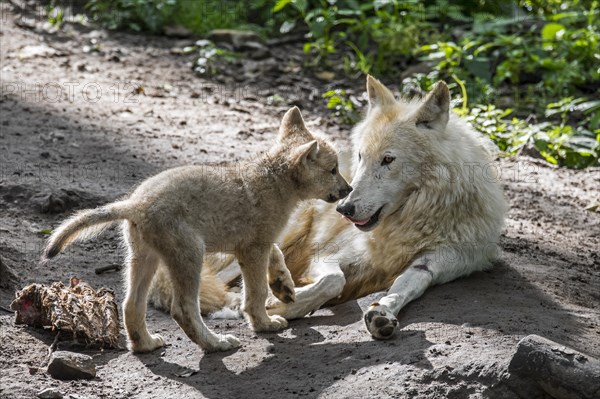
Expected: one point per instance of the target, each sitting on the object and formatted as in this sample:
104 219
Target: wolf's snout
345 191
346 209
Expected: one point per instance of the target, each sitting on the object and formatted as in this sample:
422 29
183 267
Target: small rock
234 37
255 50
422 67
325 75
50 393
203 43
57 201
26 23
71 366
97 34
56 135
177 31
82 67
41 50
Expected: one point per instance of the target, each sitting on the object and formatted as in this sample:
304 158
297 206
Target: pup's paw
381 322
275 323
275 306
225 343
282 286
154 341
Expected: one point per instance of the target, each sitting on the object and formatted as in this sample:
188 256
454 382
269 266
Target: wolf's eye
388 159
334 170
359 157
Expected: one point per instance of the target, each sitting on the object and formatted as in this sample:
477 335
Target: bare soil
74 134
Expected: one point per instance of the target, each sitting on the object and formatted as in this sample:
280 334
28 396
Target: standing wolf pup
427 208
175 217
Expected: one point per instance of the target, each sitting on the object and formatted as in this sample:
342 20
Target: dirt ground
74 135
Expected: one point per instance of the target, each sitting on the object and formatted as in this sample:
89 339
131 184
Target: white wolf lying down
426 208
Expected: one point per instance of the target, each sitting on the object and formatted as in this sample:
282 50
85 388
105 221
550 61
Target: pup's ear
305 152
435 111
291 123
379 95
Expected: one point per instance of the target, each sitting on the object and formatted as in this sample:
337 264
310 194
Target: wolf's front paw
282 286
381 322
275 323
225 343
153 342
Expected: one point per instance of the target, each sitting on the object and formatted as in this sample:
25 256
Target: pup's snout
346 209
345 191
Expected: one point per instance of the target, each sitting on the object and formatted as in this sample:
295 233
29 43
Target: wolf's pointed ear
379 95
305 152
435 111
291 123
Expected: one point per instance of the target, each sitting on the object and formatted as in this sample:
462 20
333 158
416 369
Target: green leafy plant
527 72
56 15
543 60
343 107
198 16
209 56
559 144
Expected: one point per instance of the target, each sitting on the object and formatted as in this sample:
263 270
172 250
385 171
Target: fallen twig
108 268
51 349
5 309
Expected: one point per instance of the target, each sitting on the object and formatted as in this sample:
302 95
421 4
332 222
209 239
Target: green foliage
198 16
208 55
55 15
547 64
538 58
149 15
342 106
374 34
558 144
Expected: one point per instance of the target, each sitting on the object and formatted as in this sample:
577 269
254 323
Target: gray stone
255 50
177 31
237 38
50 393
71 366
561 372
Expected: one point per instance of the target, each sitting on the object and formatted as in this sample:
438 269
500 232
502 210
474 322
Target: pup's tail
85 224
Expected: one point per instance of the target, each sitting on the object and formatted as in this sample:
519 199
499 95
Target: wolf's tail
85 224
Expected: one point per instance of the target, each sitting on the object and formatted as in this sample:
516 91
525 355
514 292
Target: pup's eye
359 157
334 170
388 159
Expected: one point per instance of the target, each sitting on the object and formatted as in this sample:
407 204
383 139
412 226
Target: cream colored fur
441 211
176 217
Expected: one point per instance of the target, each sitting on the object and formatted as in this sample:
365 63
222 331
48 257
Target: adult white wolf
426 208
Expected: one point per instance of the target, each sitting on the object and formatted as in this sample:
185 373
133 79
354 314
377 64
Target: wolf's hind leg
141 265
182 256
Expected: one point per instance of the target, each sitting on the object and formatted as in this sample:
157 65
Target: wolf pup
175 217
